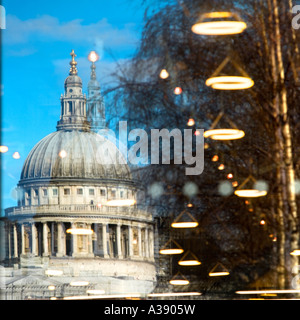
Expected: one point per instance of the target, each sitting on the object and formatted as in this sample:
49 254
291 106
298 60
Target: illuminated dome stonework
64 229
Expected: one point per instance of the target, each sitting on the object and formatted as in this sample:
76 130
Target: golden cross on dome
73 63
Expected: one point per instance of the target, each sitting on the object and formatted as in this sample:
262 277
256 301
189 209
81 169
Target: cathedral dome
75 155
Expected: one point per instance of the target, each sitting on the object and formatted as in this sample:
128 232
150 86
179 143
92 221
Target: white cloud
49 28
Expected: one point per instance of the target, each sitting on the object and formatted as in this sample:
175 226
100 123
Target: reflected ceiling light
95 291
51 287
267 291
3 149
16 155
218 271
120 202
171 247
262 222
189 259
104 296
177 90
179 280
191 122
93 56
221 166
185 220
215 158
219 27
250 193
80 231
295 252
164 74
224 134
173 294
79 283
63 153
230 83
52 272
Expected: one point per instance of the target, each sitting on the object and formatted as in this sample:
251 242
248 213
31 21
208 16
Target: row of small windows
79 191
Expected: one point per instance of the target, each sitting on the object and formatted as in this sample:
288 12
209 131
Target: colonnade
108 240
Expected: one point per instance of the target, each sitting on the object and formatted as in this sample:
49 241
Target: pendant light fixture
179 280
249 193
219 23
218 270
189 259
229 82
171 247
185 220
223 134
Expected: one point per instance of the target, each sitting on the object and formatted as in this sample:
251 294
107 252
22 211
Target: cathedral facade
77 229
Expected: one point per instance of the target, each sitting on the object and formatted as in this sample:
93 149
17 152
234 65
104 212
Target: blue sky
37 42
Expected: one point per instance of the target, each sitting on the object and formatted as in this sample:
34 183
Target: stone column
146 243
15 241
74 241
23 239
34 239
119 248
45 240
140 241
130 240
90 242
104 240
60 245
151 243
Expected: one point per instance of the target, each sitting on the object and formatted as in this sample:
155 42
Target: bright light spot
295 253
190 189
171 251
221 166
93 56
189 205
3 149
229 176
262 222
215 158
62 154
80 231
173 294
225 188
16 155
189 263
179 282
156 190
51 288
164 74
95 291
191 122
206 145
235 184
297 186
184 224
120 202
53 272
218 274
79 283
177 90
197 133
